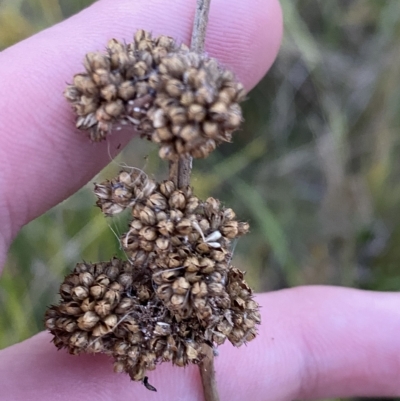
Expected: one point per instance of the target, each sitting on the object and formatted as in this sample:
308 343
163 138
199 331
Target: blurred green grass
314 170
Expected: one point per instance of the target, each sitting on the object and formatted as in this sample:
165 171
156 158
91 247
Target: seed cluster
184 101
177 290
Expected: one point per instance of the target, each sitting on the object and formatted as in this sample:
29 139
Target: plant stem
207 373
179 171
200 25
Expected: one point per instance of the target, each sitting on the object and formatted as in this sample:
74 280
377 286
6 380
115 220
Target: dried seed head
177 290
184 101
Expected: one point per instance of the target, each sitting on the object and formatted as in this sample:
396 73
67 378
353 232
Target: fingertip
247 38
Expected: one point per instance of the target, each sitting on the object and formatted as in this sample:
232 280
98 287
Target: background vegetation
314 170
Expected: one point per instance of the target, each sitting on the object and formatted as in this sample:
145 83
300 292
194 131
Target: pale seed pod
88 320
191 351
162 244
204 225
102 308
156 201
164 291
243 228
100 330
86 279
119 367
147 216
110 321
199 289
192 264
230 229
180 286
97 291
193 277
70 308
218 338
184 227
79 339
65 291
79 293
148 233
206 265
87 305
177 301
225 327
162 329
167 188
177 200
218 256
125 280
166 227
51 323
143 293
124 305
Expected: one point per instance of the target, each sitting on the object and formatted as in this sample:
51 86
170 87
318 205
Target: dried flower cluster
182 100
177 290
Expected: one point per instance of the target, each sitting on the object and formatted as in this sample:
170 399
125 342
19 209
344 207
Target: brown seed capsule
125 280
111 321
192 264
177 200
206 265
216 289
184 227
70 308
191 351
147 216
162 244
119 367
88 321
199 289
50 323
79 339
65 291
218 338
218 256
164 291
79 293
177 301
94 61
180 286
84 84
196 112
230 229
243 228
87 305
174 88
148 233
102 308
126 90
100 330
124 305
86 279
97 291
156 201
115 108
162 329
167 188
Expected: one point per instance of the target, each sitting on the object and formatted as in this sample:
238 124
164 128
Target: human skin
314 342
